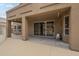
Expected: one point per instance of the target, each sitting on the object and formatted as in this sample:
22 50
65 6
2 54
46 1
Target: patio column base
24 39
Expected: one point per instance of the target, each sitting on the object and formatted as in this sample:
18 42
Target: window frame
65 27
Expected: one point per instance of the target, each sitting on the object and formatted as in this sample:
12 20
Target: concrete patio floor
17 47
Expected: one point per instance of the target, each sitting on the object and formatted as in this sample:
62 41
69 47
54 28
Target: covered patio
46 36
48 24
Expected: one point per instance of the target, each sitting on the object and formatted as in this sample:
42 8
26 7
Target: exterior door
39 28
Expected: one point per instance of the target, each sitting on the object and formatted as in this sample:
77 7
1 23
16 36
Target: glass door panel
50 28
39 28
36 29
42 28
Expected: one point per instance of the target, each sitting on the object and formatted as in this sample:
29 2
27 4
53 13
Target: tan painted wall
25 8
74 29
19 11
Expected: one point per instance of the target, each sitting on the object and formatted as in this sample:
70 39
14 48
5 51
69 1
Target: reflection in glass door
50 28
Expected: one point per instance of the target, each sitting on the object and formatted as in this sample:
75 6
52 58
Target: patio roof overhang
19 20
54 14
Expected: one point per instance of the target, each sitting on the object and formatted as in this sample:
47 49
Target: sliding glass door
36 28
41 27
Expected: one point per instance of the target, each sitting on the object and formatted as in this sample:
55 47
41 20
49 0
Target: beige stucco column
8 28
24 28
74 27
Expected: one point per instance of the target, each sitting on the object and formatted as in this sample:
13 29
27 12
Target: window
66 25
1 31
19 26
14 27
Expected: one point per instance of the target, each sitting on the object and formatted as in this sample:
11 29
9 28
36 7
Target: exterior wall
25 8
2 31
19 11
2 28
74 29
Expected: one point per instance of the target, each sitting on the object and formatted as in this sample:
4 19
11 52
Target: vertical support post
45 28
8 28
24 28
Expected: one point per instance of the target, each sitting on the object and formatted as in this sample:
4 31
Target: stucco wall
2 33
74 29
